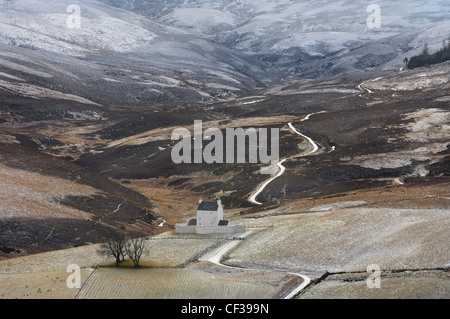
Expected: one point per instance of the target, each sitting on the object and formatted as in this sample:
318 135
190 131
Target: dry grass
175 252
176 206
163 134
47 285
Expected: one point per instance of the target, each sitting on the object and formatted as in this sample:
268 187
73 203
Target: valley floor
365 182
330 241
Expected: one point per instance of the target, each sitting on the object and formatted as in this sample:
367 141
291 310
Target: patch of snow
252 102
428 124
12 77
385 160
21 68
221 86
336 206
112 80
200 20
37 92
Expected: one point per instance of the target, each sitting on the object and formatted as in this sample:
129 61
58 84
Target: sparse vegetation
427 59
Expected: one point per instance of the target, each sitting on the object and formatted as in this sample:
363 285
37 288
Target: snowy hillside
43 25
203 51
120 50
291 32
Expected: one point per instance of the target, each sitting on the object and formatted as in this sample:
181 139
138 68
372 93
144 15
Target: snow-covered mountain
128 58
289 33
142 52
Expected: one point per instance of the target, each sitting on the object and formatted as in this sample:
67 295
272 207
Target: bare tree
115 247
134 249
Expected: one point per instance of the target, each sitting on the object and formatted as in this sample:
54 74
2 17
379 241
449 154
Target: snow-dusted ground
171 56
291 31
118 50
37 92
31 195
294 20
219 253
421 80
349 240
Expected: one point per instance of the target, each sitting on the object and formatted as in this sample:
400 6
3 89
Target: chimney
219 202
200 201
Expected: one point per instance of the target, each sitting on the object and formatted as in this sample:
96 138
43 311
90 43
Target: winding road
216 257
282 169
163 222
263 186
364 89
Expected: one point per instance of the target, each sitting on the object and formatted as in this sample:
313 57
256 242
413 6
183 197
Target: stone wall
231 229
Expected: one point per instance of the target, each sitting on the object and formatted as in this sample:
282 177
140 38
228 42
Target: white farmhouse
209 221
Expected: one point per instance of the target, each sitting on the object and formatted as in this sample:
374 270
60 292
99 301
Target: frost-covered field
164 274
171 284
350 240
342 237
175 252
146 283
411 285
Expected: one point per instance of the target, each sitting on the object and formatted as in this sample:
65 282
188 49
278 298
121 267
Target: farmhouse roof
209 206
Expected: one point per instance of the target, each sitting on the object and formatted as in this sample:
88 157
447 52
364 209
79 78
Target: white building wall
207 218
210 218
185 229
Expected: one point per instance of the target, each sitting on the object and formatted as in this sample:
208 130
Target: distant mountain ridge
131 58
180 52
291 36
